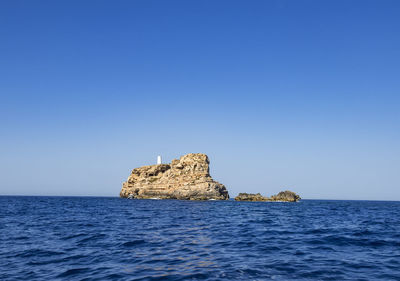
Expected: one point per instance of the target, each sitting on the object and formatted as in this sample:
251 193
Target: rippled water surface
88 238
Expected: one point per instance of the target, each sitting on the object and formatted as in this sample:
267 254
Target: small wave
133 243
75 235
91 239
73 271
38 253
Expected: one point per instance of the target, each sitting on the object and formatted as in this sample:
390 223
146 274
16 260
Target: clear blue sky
303 95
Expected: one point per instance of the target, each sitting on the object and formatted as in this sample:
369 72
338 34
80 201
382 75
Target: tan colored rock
283 196
186 179
250 197
286 196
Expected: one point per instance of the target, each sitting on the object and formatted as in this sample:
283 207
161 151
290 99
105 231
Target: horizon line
230 199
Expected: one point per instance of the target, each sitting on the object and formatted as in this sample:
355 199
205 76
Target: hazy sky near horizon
299 95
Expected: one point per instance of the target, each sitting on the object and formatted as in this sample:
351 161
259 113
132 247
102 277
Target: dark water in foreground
67 238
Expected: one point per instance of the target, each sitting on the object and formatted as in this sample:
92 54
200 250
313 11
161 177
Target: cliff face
187 179
283 196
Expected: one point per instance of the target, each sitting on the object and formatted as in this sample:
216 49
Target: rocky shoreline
186 178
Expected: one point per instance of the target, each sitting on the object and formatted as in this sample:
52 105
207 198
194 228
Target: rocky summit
283 196
186 179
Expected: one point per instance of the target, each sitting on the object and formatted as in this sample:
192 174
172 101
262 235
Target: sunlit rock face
186 179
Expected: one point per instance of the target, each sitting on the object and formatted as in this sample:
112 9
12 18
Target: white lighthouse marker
158 159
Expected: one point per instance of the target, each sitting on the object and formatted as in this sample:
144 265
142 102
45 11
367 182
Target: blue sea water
89 238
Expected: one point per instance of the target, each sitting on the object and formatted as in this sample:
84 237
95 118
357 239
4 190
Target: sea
100 238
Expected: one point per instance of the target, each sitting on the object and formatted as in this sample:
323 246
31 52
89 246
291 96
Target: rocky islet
187 178
283 196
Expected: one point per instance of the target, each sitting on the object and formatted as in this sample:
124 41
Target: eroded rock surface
287 196
187 179
250 197
283 196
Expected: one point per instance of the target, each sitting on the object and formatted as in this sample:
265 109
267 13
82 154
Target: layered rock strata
186 179
283 196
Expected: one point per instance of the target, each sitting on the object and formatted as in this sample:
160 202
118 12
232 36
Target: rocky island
283 196
187 178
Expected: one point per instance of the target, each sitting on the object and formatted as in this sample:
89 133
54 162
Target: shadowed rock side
283 196
186 179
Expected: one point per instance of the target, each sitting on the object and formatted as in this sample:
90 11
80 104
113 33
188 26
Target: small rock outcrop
283 196
186 179
250 197
286 196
